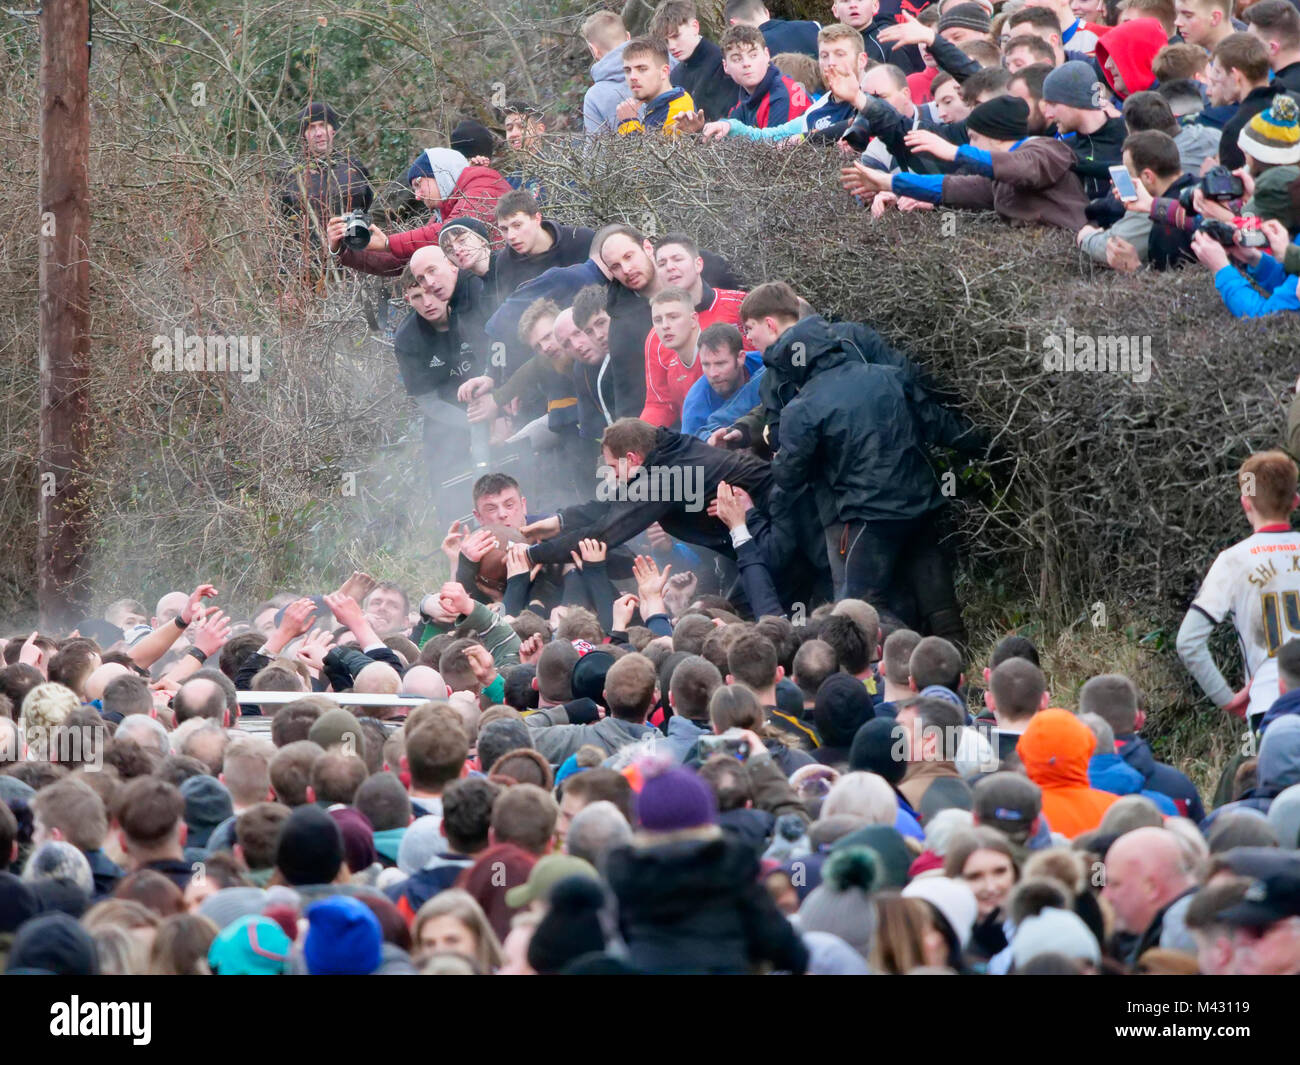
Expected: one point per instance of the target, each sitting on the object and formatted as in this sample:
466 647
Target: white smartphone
1123 182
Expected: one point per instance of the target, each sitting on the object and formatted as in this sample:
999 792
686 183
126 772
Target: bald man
424 682
207 742
100 678
378 678
440 346
169 606
147 732
201 697
1149 886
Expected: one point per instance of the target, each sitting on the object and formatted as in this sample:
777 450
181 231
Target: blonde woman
180 947
453 922
124 933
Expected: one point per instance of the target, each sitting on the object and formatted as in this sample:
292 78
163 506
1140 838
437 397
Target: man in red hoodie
445 182
1126 54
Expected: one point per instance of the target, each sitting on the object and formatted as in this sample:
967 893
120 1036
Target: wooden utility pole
64 307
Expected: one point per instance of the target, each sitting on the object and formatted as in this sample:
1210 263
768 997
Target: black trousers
900 568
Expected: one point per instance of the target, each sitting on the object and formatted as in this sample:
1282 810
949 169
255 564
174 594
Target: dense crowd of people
697 695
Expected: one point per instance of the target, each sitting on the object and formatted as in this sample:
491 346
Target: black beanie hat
842 707
472 138
589 676
571 927
1004 118
317 112
310 848
53 943
873 750
469 222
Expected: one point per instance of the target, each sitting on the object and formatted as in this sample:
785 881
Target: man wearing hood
445 182
1126 53
1055 750
606 37
866 460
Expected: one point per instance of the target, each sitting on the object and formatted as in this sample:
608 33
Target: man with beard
629 258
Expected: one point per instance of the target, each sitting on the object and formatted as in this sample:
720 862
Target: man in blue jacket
1114 698
729 388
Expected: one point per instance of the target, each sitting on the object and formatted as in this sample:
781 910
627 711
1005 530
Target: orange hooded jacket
1055 750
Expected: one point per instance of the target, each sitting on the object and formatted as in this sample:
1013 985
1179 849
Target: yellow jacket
660 113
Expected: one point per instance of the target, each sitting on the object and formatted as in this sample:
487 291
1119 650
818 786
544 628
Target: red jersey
667 380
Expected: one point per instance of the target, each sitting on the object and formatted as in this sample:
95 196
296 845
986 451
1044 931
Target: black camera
1231 236
356 234
858 135
1218 184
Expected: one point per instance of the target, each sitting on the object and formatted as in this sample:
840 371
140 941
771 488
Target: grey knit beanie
1074 84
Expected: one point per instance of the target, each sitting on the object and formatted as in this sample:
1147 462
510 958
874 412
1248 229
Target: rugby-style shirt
1257 583
667 380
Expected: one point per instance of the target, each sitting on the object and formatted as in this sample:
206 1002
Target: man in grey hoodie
606 36
631 690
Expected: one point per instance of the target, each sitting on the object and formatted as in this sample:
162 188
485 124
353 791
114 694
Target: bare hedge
1116 491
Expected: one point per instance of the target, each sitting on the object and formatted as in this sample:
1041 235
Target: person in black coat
439 347
856 431
1243 61
441 343
534 244
689 897
328 180
781 35
670 478
699 61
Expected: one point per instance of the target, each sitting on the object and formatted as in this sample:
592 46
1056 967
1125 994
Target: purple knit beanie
676 799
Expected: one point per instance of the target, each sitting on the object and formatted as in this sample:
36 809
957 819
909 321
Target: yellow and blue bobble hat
1273 135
